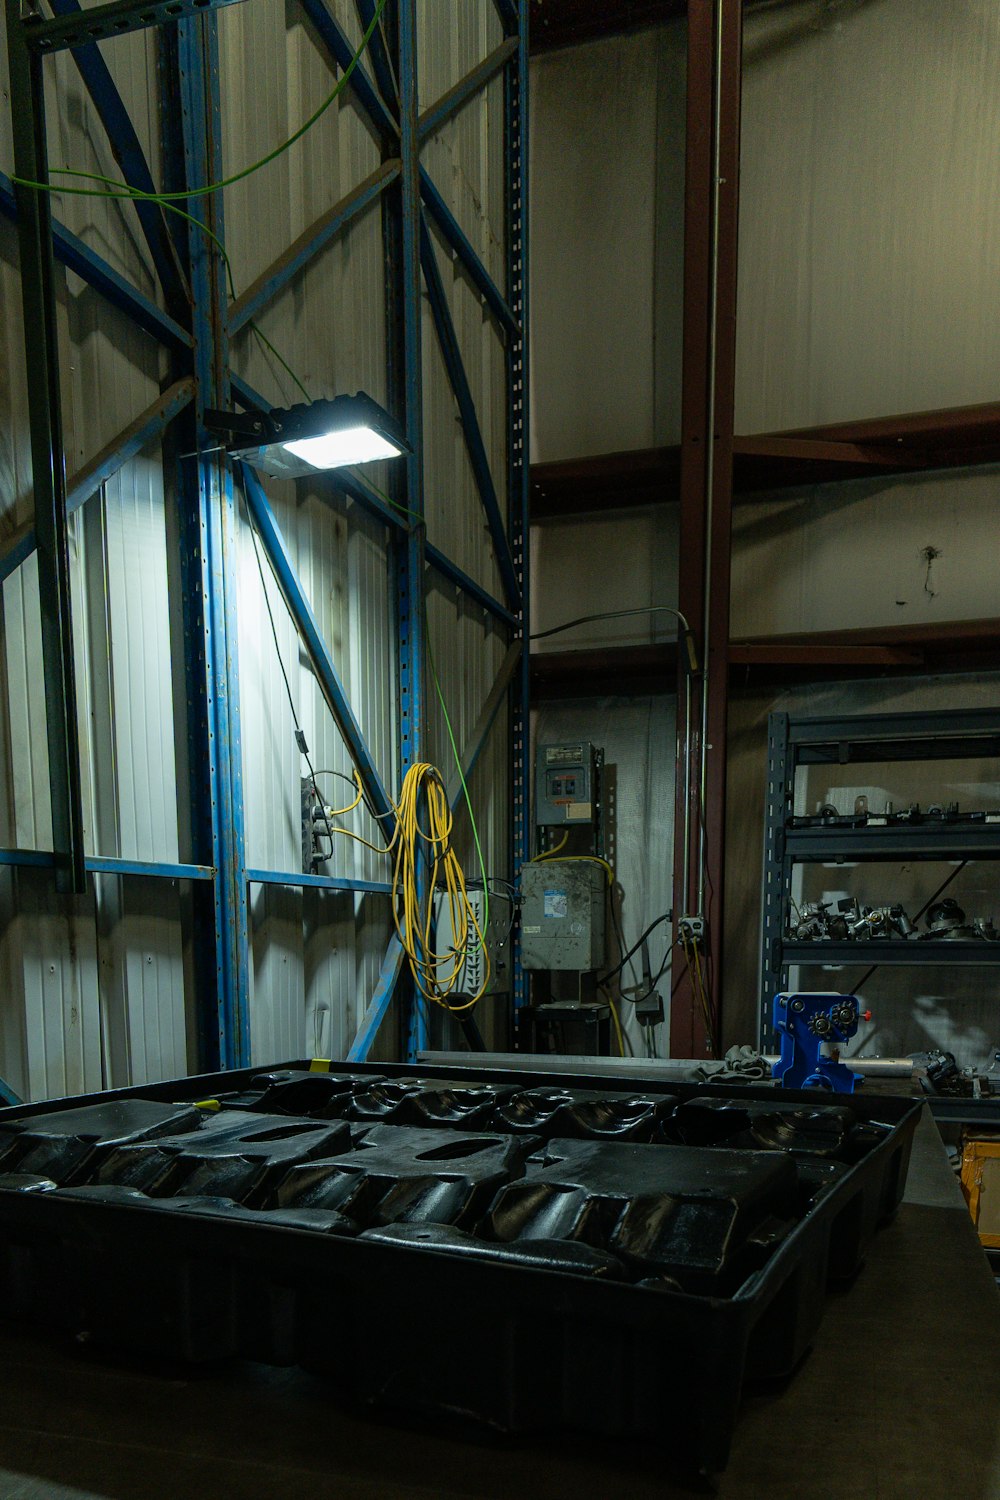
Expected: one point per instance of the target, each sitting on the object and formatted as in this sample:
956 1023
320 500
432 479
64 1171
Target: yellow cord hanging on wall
435 973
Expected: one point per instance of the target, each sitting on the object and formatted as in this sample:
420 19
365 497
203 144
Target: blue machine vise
806 1023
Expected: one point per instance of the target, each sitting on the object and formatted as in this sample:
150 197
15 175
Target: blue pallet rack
193 325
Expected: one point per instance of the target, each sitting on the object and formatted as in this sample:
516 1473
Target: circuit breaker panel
565 783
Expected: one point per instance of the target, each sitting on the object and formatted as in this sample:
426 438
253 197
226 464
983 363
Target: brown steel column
711 211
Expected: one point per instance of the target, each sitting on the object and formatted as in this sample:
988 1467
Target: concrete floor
898 1398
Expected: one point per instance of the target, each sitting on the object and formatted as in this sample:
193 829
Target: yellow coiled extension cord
435 974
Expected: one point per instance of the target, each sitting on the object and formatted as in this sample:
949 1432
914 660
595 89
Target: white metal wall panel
830 558
869 212
61 996
13 1017
141 678
277 1029
593 218
328 325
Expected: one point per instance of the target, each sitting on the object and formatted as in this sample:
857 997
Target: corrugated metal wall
93 991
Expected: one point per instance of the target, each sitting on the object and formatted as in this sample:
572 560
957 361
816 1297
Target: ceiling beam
958 437
888 650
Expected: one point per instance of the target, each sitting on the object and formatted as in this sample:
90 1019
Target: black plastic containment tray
528 1250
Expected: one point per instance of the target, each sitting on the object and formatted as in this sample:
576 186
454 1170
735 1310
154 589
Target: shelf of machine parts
896 840
891 951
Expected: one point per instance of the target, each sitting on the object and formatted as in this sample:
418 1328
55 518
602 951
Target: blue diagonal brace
88 480
448 340
250 303
481 730
465 89
263 518
358 489
507 11
381 66
128 154
341 50
78 257
8 1096
381 999
462 246
437 560
354 486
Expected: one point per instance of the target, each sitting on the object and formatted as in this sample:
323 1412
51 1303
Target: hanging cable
635 947
550 853
435 972
618 1026
300 738
622 614
169 201
125 191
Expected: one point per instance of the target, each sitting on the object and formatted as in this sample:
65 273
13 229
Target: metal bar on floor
459 242
88 480
250 303
48 458
465 89
451 353
263 519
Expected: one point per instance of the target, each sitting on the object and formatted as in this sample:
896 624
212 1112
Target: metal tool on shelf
811 1029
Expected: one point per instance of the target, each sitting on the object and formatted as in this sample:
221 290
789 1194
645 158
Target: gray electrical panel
562 914
565 783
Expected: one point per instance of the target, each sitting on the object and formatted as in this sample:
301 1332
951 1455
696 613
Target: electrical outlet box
470 979
692 930
565 783
563 902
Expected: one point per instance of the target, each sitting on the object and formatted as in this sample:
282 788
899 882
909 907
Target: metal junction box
562 914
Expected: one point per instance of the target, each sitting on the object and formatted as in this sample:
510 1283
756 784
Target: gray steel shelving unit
795 741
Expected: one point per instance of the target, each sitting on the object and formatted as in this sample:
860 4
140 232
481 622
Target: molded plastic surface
530 1251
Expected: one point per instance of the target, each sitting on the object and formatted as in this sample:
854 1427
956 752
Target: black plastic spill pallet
529 1251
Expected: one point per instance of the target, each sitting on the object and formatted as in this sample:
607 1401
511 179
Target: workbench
898 1398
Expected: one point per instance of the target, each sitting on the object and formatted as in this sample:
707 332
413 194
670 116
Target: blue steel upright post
208 530
409 554
516 236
